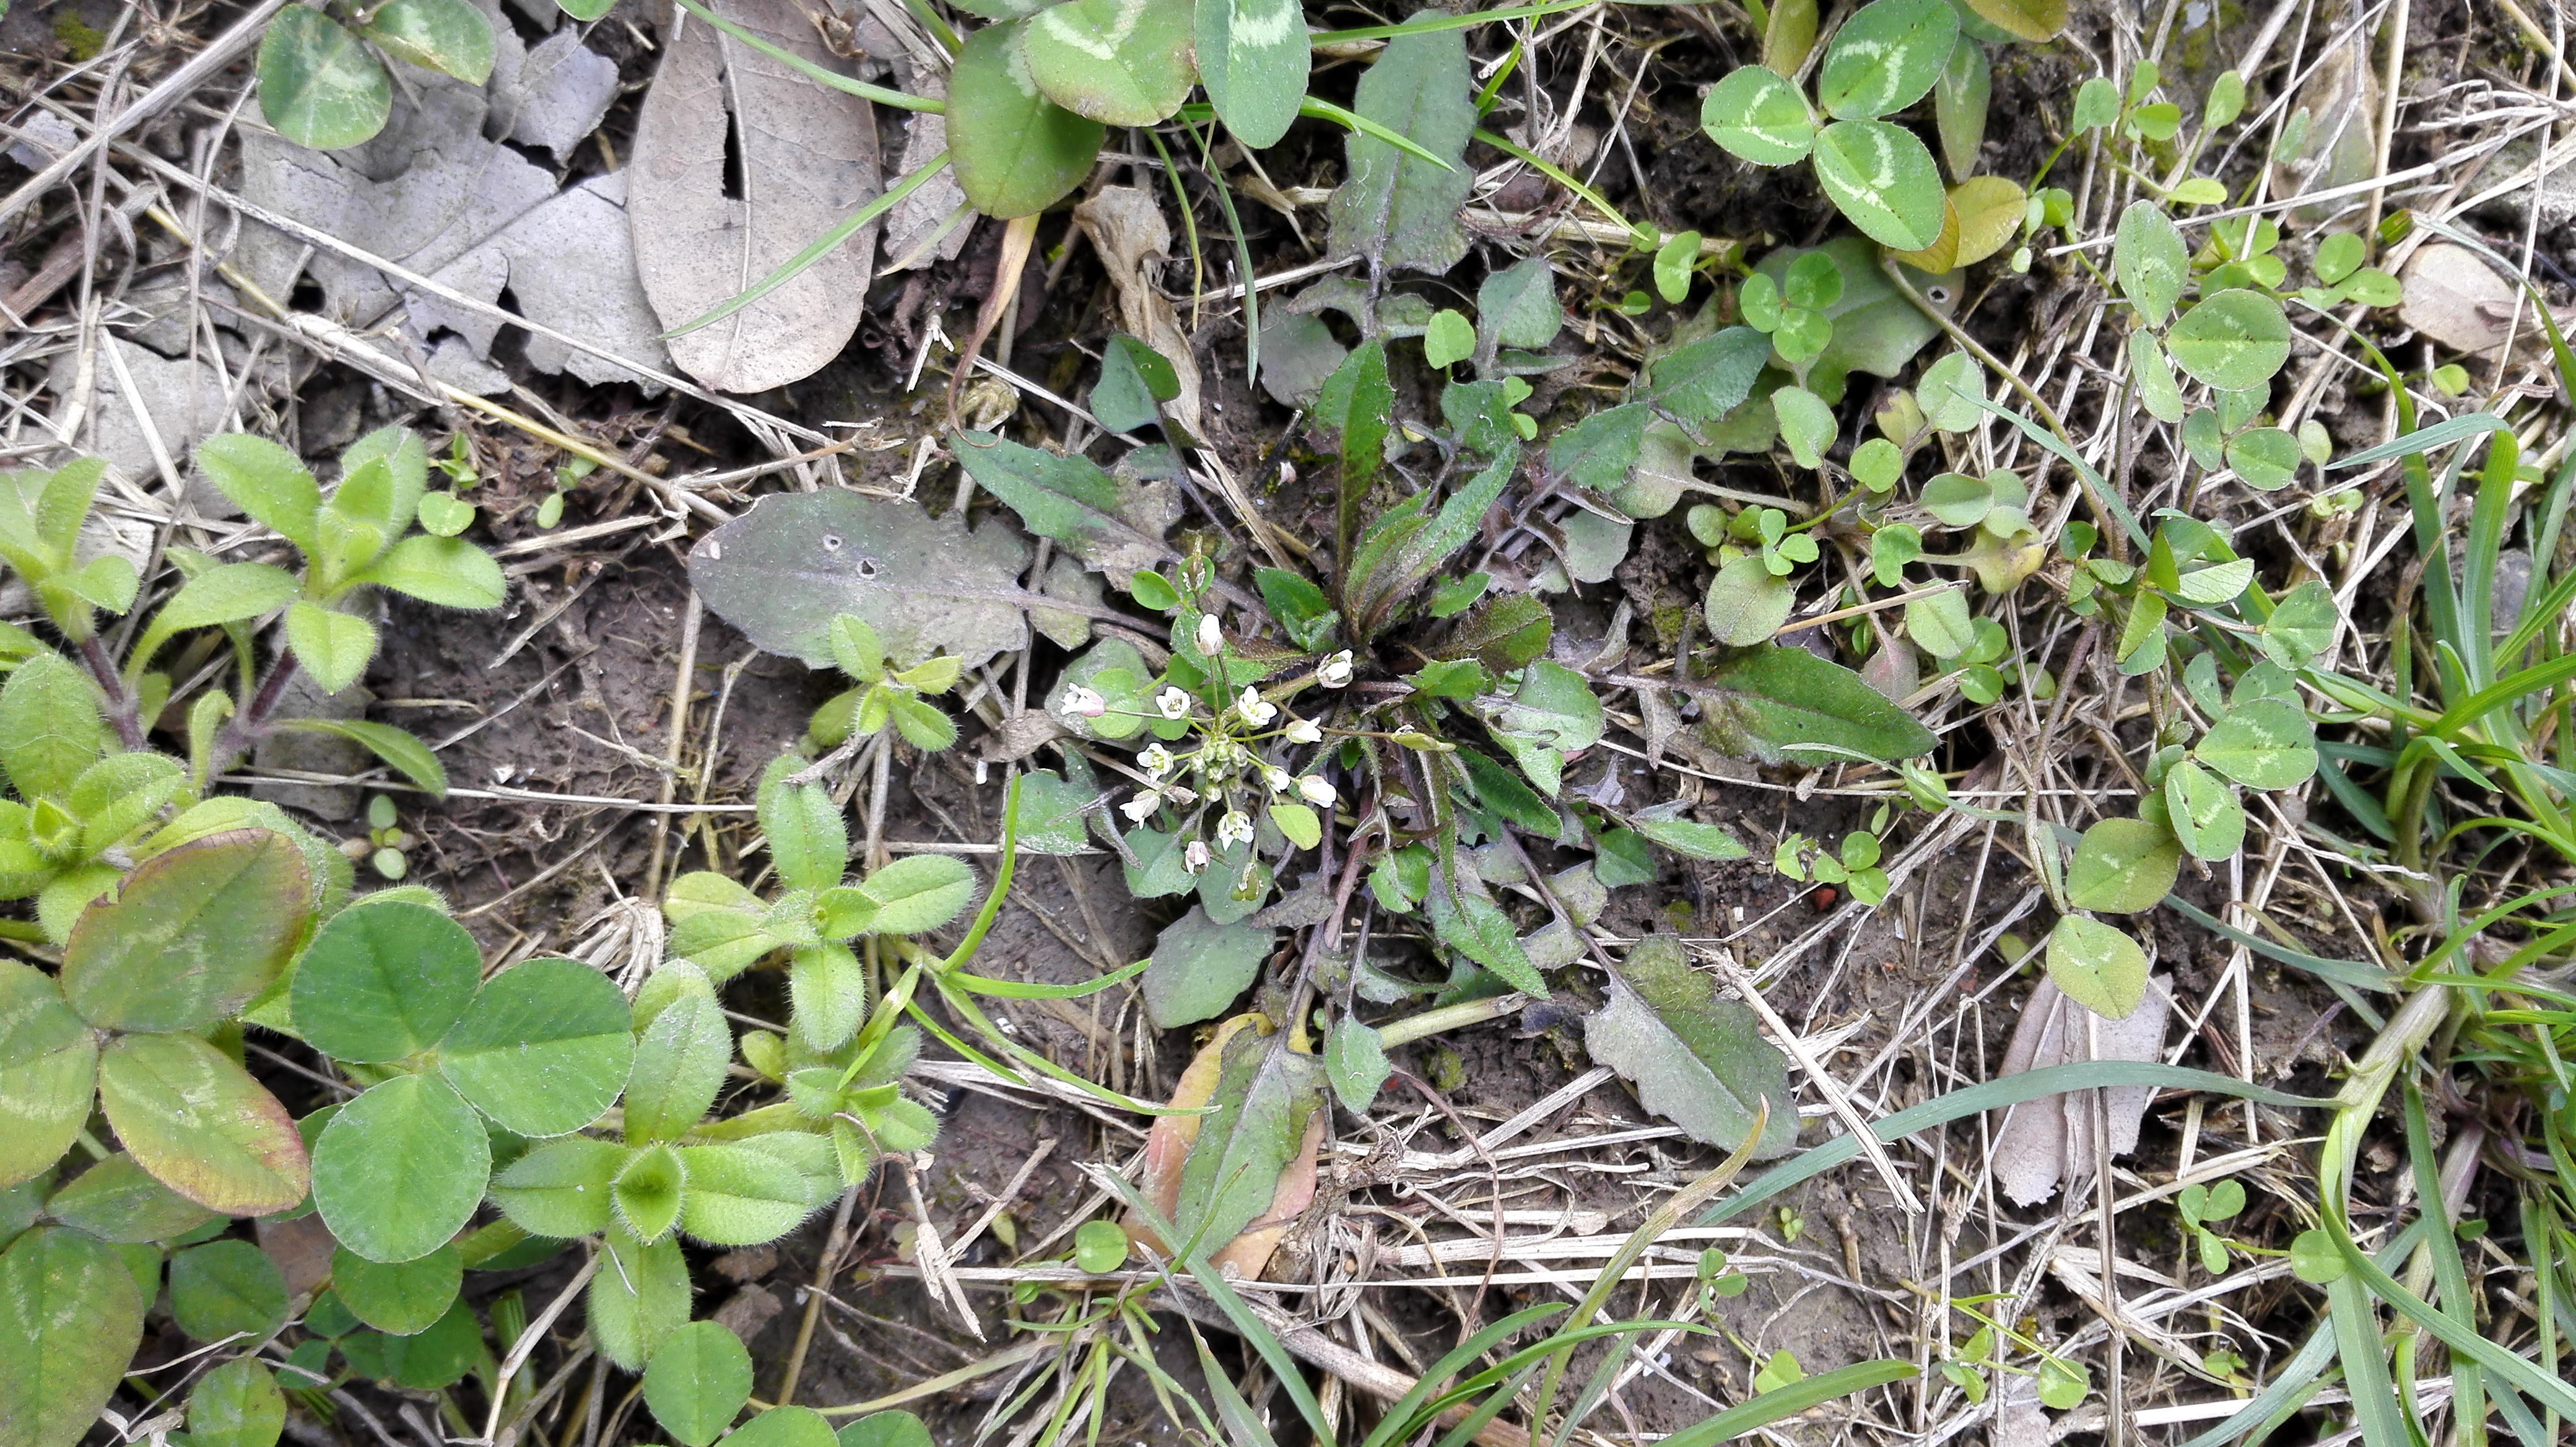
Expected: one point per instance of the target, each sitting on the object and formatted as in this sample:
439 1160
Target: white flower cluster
1228 763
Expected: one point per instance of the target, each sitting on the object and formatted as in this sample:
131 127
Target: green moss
77 40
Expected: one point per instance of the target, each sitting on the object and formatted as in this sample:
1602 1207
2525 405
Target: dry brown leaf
707 229
1128 230
2451 295
916 220
1167 1148
2341 148
2041 1143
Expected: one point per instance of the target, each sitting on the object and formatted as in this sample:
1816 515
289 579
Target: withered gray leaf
782 570
1696 1060
807 159
2041 1143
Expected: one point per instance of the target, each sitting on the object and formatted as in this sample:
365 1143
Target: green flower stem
1642 236
1450 1017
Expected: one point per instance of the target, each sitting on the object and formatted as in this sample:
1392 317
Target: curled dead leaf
1169 1144
2042 1143
1128 230
713 216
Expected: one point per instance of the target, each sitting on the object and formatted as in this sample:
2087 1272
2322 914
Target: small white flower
1194 857
1083 703
1211 637
1172 703
1142 807
1157 761
1276 777
1255 709
1235 828
1180 795
1315 790
1305 731
1335 672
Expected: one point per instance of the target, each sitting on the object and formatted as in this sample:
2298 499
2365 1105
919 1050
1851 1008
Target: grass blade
1788 1401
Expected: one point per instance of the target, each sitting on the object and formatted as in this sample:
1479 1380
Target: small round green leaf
1886 57
2123 866
1759 117
317 84
1957 500
70 1319
697 1382
1199 967
1746 604
1807 423
2097 966
398 1171
784 1427
224 1289
48 1072
448 36
2150 260
199 1123
1940 624
383 981
1120 62
2157 390
236 1405
191 934
401 1299
2266 458
1016 152
1099 1247
2203 811
2314 1259
895 1429
1883 178
2266 744
437 1358
1449 339
2235 339
544 1048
